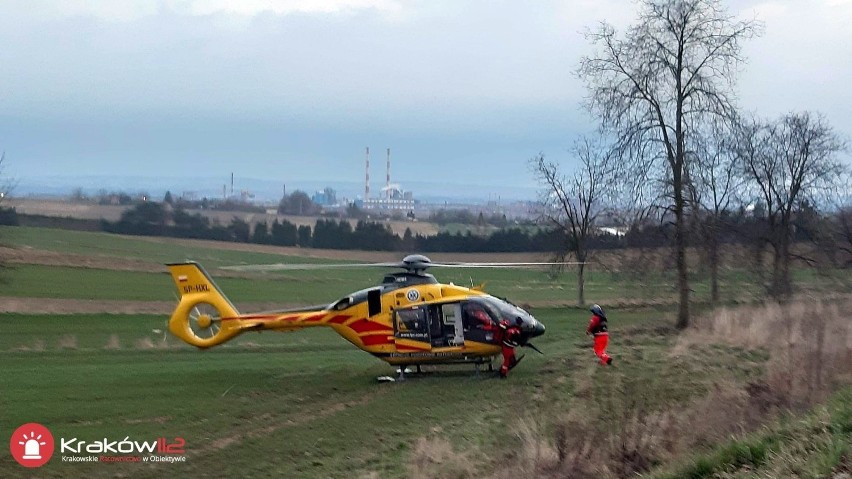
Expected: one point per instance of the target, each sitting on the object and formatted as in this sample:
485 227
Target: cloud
130 10
284 7
487 83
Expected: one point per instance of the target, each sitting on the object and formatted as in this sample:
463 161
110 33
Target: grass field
307 403
300 404
101 281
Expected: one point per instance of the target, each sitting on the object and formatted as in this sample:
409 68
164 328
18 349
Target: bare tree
571 204
790 163
714 177
843 234
672 69
5 187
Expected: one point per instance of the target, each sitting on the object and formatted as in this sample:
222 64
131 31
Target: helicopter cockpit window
500 309
412 324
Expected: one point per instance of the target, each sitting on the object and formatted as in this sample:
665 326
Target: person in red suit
598 328
509 336
505 333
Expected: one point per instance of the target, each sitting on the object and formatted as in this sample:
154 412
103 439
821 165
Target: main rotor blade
395 264
306 266
500 265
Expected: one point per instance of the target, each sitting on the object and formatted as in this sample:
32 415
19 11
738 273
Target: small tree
261 234
240 230
789 162
571 204
7 216
713 180
673 69
298 203
304 234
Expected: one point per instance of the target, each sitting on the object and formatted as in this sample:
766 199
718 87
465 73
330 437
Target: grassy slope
814 445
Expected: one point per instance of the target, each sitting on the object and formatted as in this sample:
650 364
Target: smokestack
367 180
232 184
388 177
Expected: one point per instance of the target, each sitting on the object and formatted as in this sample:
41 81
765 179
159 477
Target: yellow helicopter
410 319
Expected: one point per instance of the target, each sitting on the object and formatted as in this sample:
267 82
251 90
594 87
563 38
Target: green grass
306 404
324 286
302 404
317 287
159 250
84 283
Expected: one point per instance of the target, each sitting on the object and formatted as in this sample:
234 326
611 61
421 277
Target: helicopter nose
538 329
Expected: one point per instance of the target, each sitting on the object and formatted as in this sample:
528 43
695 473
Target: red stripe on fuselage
315 317
365 326
376 339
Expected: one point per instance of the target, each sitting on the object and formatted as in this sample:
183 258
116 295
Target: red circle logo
31 445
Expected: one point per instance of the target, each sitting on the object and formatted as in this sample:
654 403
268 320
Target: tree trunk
784 281
581 285
682 272
780 285
714 268
680 250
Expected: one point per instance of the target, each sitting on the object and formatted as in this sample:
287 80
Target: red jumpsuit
598 327
508 336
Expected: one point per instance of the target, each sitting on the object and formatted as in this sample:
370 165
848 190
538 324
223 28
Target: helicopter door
453 323
411 329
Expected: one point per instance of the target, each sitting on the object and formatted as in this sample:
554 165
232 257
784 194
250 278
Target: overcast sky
294 90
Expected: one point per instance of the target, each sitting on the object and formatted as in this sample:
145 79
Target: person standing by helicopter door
509 336
598 328
505 333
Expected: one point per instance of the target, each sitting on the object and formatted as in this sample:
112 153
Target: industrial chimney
367 179
388 177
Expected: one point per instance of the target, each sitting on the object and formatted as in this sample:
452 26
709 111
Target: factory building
391 196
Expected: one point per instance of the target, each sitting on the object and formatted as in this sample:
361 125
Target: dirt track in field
14 256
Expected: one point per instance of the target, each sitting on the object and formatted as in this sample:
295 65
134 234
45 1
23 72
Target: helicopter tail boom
198 317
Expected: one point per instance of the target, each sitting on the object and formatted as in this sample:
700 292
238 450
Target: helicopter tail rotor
201 316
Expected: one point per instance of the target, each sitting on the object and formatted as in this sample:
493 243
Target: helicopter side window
476 317
478 322
342 303
412 324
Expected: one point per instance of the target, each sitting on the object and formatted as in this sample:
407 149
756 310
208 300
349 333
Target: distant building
393 197
613 230
326 197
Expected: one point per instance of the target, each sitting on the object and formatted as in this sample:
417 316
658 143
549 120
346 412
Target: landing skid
404 371
490 366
